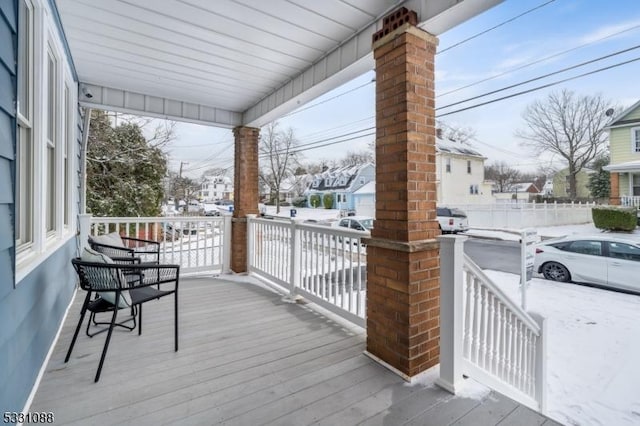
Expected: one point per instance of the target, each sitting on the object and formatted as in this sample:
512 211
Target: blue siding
31 312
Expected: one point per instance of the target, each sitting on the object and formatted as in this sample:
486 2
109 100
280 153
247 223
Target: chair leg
106 344
140 319
83 311
175 315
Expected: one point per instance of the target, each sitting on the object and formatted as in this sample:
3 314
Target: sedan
606 261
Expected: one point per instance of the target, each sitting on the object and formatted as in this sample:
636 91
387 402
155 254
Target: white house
460 174
341 183
216 188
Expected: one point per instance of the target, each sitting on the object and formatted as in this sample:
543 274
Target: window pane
24 188
67 143
51 98
24 61
624 251
51 188
586 247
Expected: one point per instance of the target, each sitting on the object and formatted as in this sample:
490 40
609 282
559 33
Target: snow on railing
197 244
326 265
485 335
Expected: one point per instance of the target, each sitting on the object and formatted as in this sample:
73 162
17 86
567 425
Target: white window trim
45 39
635 147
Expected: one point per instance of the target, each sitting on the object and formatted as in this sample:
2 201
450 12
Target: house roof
459 148
337 177
367 188
231 62
618 120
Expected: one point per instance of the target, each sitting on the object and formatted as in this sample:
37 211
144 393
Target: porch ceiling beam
107 98
354 57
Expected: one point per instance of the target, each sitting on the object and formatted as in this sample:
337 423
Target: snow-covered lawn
594 350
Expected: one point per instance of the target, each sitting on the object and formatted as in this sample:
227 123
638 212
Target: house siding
560 186
32 310
620 145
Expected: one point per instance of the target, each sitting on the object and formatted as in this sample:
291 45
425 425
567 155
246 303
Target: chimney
439 133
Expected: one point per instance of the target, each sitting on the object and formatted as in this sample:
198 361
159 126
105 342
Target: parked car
359 223
606 261
452 221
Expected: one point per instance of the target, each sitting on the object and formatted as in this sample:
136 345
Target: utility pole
180 185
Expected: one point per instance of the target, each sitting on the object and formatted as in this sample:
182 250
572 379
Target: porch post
614 196
403 265
245 192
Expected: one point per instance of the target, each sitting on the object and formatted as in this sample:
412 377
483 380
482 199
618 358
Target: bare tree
503 175
567 125
356 158
277 150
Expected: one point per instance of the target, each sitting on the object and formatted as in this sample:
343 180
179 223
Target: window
469 166
624 251
24 146
567 184
51 171
448 165
636 184
635 139
593 248
68 141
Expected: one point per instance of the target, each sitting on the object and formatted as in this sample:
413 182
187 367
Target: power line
541 77
537 61
544 86
328 99
495 26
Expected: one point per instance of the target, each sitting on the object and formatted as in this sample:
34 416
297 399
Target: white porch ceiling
230 62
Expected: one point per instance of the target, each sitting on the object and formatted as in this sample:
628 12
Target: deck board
246 357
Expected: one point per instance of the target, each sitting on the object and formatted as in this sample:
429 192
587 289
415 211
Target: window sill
30 259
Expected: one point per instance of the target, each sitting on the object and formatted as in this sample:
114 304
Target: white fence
485 335
523 215
630 201
324 264
197 244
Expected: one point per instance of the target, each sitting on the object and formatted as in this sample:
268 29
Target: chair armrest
154 274
113 251
139 242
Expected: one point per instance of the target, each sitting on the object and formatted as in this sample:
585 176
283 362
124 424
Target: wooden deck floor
245 358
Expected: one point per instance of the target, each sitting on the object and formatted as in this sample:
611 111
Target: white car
359 223
452 220
607 261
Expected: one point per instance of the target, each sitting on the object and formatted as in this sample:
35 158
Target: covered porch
248 357
625 183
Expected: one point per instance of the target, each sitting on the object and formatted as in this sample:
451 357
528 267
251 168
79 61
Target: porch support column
403 265
245 192
614 195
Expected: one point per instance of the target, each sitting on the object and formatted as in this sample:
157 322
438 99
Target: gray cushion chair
112 287
118 247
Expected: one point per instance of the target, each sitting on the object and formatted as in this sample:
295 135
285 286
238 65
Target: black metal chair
148 251
152 282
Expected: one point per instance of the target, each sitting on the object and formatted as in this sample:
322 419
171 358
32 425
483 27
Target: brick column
614 195
245 192
403 265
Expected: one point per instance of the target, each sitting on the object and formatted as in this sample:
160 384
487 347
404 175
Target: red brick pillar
614 195
403 265
245 192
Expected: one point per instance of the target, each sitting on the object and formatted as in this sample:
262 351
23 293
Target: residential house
561 183
624 150
460 174
520 192
340 183
216 188
365 200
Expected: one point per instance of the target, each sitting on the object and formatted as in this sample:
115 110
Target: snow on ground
304 213
593 370
546 232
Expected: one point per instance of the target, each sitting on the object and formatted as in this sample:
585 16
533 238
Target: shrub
614 218
300 202
327 201
314 200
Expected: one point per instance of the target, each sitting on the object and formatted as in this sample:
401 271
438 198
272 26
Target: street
497 255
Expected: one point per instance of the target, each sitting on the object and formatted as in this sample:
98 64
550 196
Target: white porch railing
485 335
197 244
630 201
324 264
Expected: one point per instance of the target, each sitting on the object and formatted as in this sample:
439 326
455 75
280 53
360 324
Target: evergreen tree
124 173
599 183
